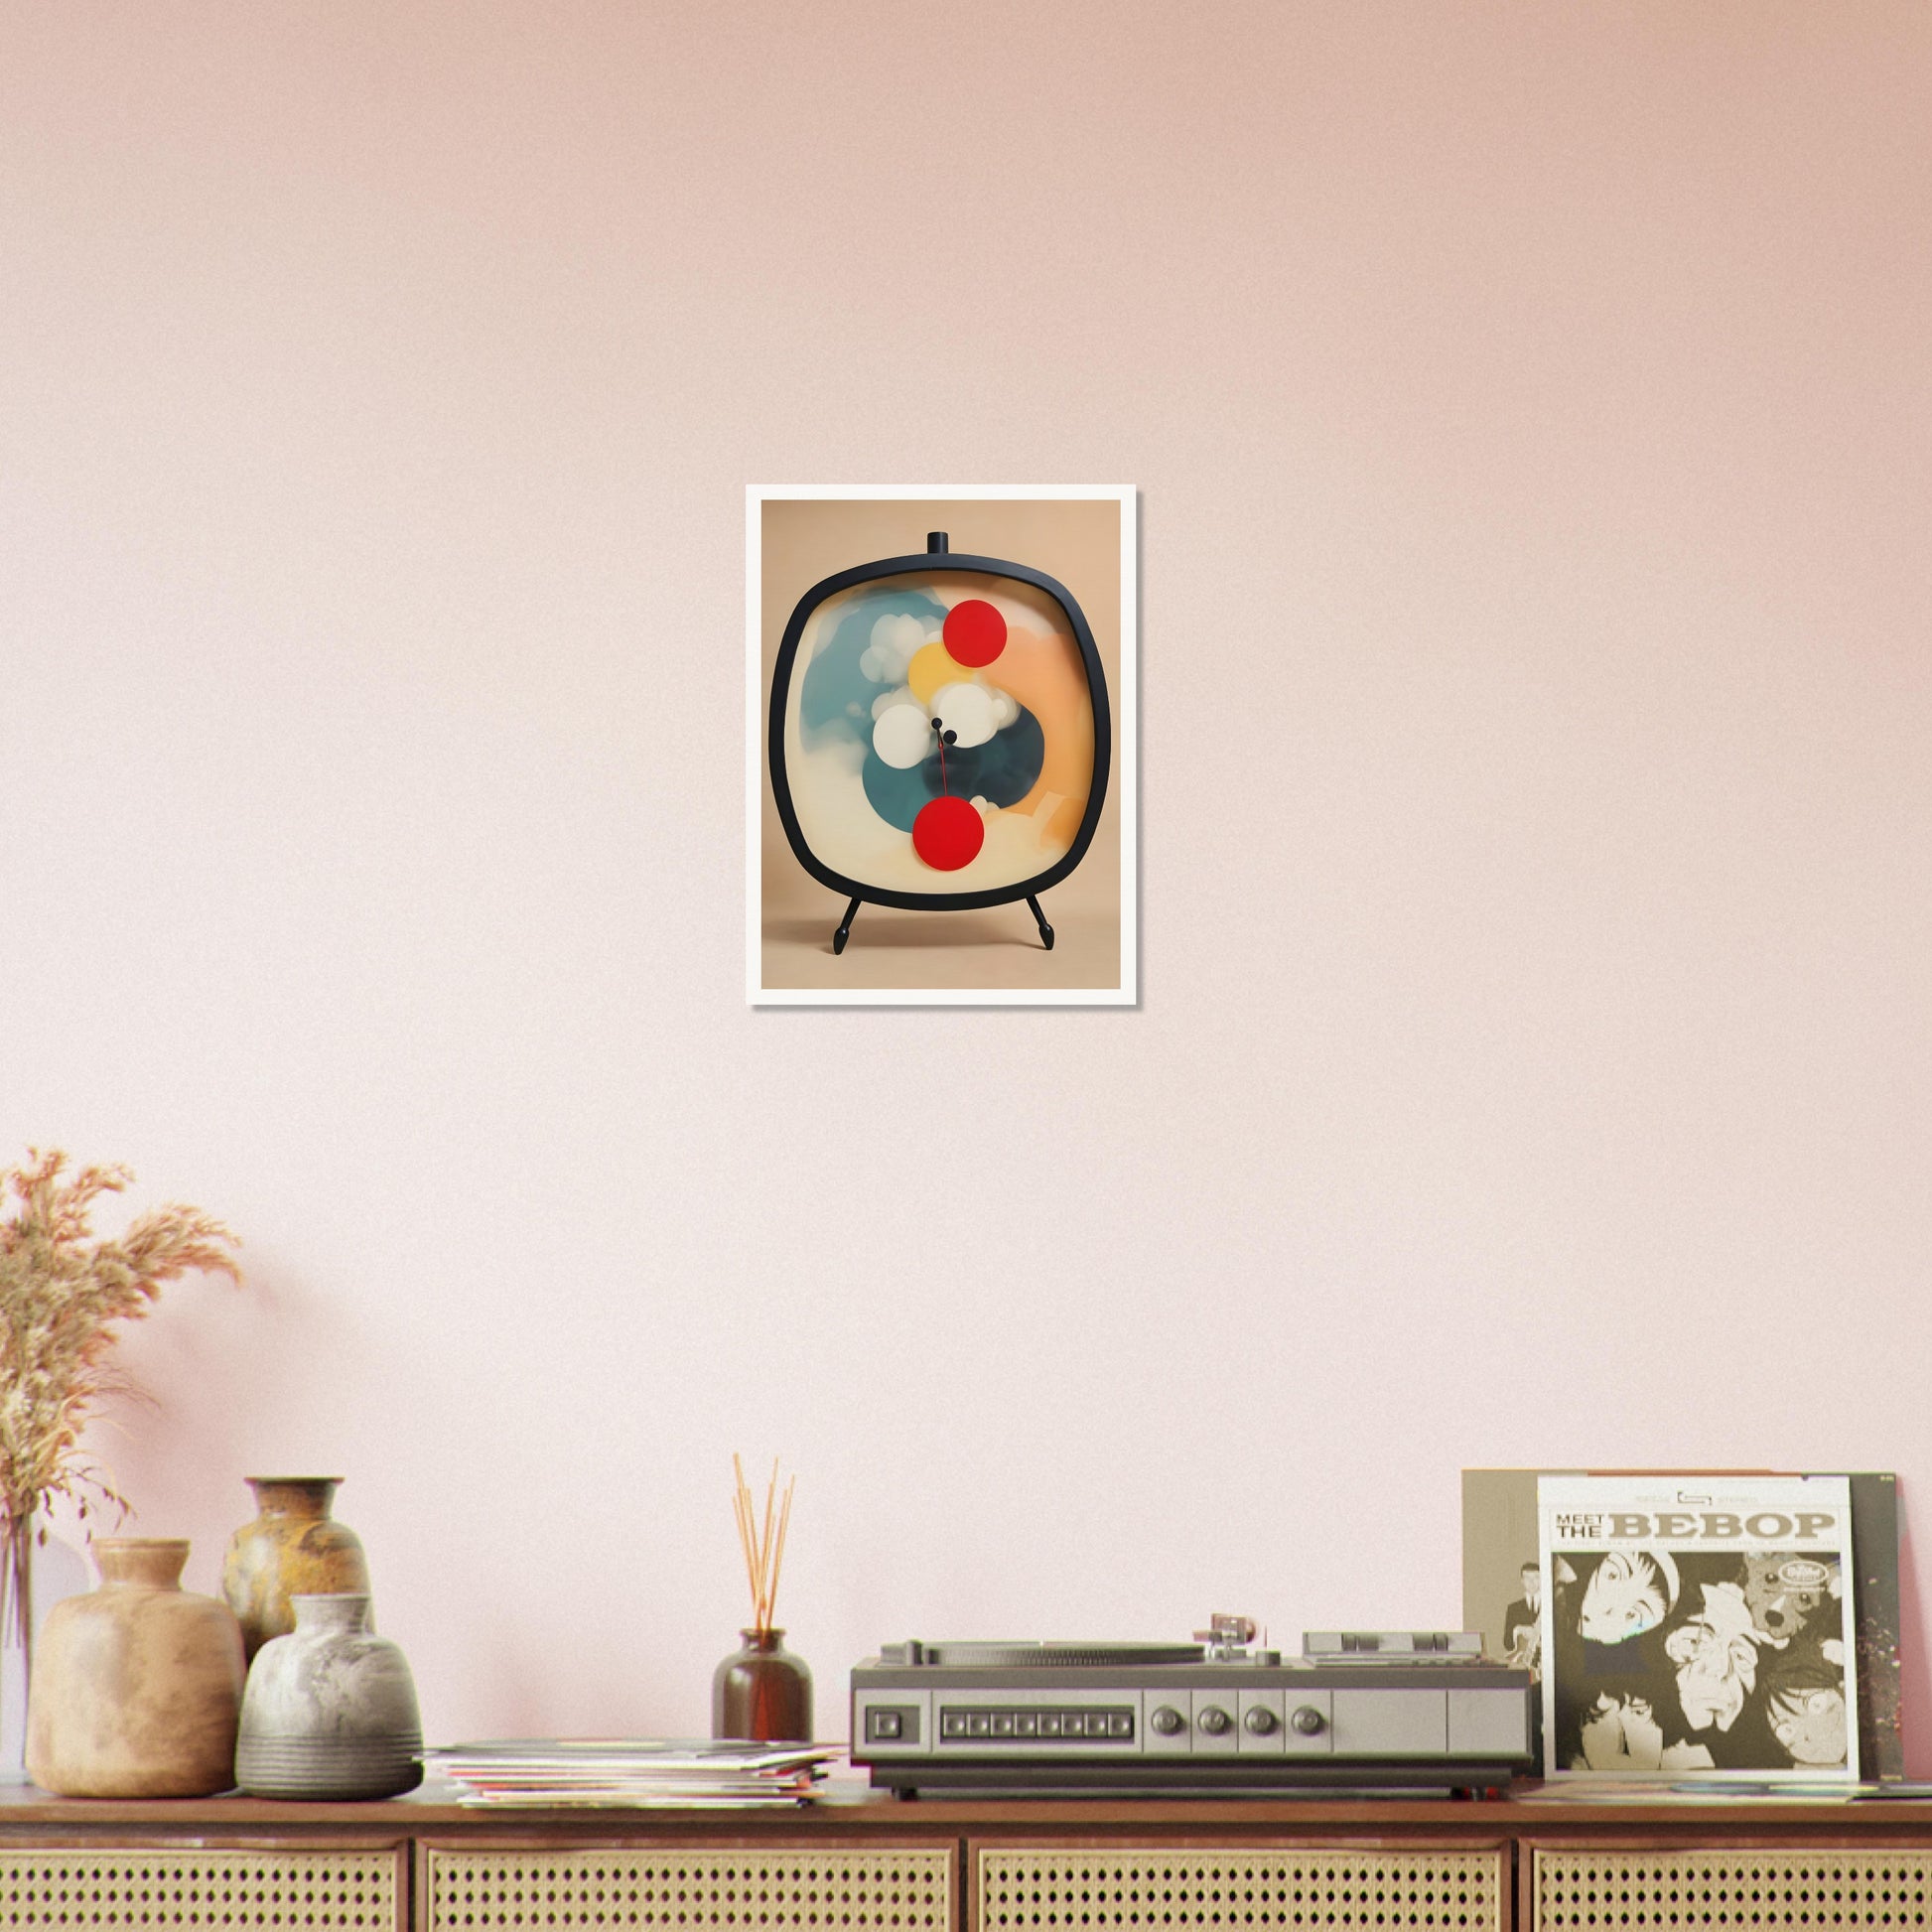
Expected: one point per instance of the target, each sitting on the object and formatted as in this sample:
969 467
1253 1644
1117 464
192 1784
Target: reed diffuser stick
765 1551
779 1553
763 1540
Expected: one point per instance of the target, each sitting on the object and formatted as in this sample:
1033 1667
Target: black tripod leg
845 928
1040 920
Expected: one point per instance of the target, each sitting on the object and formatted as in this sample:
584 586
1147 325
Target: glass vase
37 1571
16 1645
763 1693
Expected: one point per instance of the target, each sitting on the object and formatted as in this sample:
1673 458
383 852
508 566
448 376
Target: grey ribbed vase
330 1710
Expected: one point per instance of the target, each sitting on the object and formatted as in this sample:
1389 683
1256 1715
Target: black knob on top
937 543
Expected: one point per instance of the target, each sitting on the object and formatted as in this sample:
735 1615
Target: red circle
975 632
948 833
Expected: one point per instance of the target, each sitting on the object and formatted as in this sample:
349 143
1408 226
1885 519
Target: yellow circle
933 665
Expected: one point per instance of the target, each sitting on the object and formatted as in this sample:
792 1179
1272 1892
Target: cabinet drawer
117 1888
694 1890
1040 1890
1702 1890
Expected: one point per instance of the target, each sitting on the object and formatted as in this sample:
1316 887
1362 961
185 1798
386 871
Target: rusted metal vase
136 1688
294 1548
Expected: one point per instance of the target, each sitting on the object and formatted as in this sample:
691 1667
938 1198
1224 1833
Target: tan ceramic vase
294 1548
136 1689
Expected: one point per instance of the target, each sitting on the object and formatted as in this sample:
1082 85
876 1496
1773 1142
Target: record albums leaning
1698 1630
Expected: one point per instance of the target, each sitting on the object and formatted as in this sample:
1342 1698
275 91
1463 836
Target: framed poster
940 771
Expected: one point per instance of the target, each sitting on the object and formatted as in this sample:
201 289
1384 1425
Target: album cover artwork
1502 1585
1698 1628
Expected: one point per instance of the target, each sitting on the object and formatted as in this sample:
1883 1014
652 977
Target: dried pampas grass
63 1296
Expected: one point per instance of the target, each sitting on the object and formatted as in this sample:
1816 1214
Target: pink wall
1530 409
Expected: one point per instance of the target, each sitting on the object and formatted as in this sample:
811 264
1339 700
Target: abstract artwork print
939 734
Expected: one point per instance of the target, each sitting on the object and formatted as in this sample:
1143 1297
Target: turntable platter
1084 1656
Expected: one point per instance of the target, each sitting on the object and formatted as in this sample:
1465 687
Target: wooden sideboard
860 1862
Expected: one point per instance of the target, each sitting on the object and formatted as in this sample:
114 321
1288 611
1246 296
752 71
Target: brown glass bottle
763 1691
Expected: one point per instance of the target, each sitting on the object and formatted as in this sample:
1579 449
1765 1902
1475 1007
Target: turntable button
1167 1720
1002 1723
1261 1720
952 1724
1096 1723
1120 1725
886 1723
1026 1725
1214 1721
1049 1724
979 1724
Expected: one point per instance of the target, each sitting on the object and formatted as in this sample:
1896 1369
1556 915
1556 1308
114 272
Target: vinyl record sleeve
1698 1628
1502 1585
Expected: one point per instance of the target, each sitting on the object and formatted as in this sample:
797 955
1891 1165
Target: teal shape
1002 771
837 697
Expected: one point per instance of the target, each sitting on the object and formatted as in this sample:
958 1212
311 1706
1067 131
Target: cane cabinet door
1746 1889
691 1889
1196 1888
113 1888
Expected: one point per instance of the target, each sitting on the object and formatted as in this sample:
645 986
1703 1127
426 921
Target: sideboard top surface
27 1810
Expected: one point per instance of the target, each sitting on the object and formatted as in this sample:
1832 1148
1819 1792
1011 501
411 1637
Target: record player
1415 1711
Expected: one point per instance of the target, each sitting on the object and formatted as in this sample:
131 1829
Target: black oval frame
933 561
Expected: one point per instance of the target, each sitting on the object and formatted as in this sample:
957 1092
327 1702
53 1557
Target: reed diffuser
761 1691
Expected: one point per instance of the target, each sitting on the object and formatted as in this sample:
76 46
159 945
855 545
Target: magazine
1502 1587
636 1772
1698 1630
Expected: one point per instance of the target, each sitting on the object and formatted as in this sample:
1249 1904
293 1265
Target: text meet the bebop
1693 1526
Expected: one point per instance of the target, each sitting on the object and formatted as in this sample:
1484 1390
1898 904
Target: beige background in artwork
1531 409
1078 542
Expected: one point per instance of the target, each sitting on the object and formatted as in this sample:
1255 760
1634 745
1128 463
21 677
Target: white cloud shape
894 640
901 735
966 709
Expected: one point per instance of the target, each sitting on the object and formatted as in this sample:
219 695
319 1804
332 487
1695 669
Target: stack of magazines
632 1771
